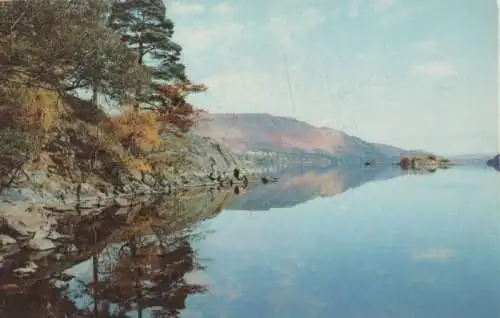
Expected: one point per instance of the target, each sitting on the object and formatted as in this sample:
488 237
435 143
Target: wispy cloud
435 69
196 39
178 8
223 8
288 26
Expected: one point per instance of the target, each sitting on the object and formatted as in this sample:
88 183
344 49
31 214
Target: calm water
354 243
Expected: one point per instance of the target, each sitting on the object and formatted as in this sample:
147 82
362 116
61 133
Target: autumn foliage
28 118
174 109
49 50
136 129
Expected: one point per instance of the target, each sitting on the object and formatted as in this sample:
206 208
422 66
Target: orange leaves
137 127
137 164
31 109
176 110
181 90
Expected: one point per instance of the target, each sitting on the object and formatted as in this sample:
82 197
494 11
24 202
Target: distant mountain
267 133
395 152
471 159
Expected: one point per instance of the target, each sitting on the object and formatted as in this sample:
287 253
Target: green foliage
117 49
65 45
144 27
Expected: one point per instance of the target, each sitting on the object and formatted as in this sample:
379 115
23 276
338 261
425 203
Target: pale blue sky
413 73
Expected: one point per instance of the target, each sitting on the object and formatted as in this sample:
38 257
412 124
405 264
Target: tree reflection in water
144 272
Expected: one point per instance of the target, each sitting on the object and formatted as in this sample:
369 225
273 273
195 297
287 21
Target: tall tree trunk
94 95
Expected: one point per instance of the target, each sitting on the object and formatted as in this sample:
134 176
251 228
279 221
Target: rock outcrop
494 162
194 161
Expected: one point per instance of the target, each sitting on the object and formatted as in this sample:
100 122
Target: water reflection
406 247
131 263
302 184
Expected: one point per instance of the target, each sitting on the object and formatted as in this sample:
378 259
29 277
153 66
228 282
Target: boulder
26 220
6 240
56 236
121 202
149 180
28 269
123 211
143 189
40 242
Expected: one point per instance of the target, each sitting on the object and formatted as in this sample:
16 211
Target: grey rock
6 240
28 269
149 180
143 189
164 182
56 236
40 243
128 188
121 202
87 204
26 219
38 178
87 190
101 196
20 195
124 178
121 212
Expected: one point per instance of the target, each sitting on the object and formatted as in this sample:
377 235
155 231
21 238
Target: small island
494 162
424 162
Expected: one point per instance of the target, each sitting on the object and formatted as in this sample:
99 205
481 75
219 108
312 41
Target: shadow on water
124 261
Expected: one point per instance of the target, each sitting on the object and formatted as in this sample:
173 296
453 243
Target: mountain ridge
261 132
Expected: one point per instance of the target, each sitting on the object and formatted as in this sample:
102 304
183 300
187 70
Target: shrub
137 130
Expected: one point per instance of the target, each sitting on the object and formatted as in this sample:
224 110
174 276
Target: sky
419 74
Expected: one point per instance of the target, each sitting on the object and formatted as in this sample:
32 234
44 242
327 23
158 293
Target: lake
355 243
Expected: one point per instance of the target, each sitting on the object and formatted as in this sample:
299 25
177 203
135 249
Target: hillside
396 153
267 133
84 152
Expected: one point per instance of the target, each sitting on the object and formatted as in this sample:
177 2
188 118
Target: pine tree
143 25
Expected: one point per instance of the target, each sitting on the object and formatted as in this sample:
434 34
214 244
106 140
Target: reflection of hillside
296 187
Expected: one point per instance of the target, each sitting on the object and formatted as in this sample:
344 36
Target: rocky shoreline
41 198
28 221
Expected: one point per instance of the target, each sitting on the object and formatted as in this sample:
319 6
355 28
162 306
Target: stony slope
66 163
